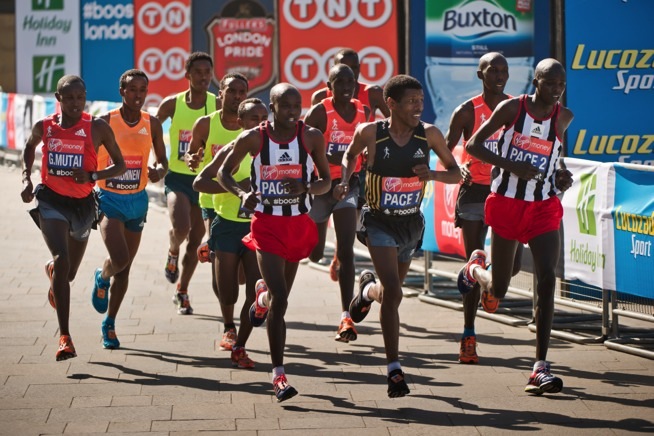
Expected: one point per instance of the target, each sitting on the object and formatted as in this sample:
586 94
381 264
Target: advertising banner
459 32
610 79
47 44
587 234
241 37
162 43
107 27
312 31
633 230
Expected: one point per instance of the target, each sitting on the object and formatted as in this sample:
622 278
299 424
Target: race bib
131 178
273 192
64 156
401 195
184 142
535 151
336 146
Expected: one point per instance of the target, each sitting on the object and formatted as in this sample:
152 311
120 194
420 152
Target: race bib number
273 192
184 143
532 150
131 178
336 146
401 195
64 156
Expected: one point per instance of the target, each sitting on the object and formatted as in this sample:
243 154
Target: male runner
227 231
211 133
65 203
337 117
523 206
493 71
123 200
392 224
183 202
285 153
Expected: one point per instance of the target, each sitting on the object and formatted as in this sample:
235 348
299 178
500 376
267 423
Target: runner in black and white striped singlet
285 153
523 206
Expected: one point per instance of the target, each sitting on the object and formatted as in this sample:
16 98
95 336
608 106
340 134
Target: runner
284 153
65 204
227 232
523 206
123 200
211 133
493 71
183 202
337 117
392 224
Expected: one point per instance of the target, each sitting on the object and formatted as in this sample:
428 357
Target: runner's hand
27 194
423 172
466 177
563 179
194 160
340 191
524 170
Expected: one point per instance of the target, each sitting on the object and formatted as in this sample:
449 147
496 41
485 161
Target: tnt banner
633 230
47 44
241 37
107 27
587 235
610 79
162 43
312 31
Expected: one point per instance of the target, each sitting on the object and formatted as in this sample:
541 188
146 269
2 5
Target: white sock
277 371
393 366
263 299
472 270
365 291
540 364
344 315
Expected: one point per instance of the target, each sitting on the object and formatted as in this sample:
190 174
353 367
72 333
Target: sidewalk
170 378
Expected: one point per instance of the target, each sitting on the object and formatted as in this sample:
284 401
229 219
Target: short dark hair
228 76
243 105
197 56
67 80
345 52
396 86
335 71
132 73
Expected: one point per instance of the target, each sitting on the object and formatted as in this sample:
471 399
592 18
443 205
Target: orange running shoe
66 348
468 350
171 271
258 313
228 340
334 268
346 331
204 253
49 271
240 358
489 303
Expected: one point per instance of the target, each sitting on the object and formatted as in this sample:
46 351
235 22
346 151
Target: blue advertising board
609 48
107 39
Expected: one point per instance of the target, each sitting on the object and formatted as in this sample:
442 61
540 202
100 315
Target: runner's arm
27 160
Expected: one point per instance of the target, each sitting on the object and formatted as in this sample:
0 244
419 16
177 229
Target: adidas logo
536 131
418 154
285 158
266 202
143 131
81 133
49 134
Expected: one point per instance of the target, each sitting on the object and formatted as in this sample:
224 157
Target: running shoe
171 270
258 313
359 307
489 303
542 381
465 281
334 268
109 339
283 391
49 271
397 387
346 331
100 294
204 253
468 350
66 348
228 340
240 358
183 303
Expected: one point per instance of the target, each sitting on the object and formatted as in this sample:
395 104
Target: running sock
393 366
263 299
277 371
109 321
540 364
228 326
472 270
468 332
365 291
180 291
345 314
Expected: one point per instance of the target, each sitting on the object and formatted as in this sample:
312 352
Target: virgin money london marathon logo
586 205
47 72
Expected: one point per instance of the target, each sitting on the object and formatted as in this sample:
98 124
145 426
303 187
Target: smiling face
341 83
409 107
134 92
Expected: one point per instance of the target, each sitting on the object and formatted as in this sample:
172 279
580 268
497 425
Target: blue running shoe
465 281
100 295
542 381
109 339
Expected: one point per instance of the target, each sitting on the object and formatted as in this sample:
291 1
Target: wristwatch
93 176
